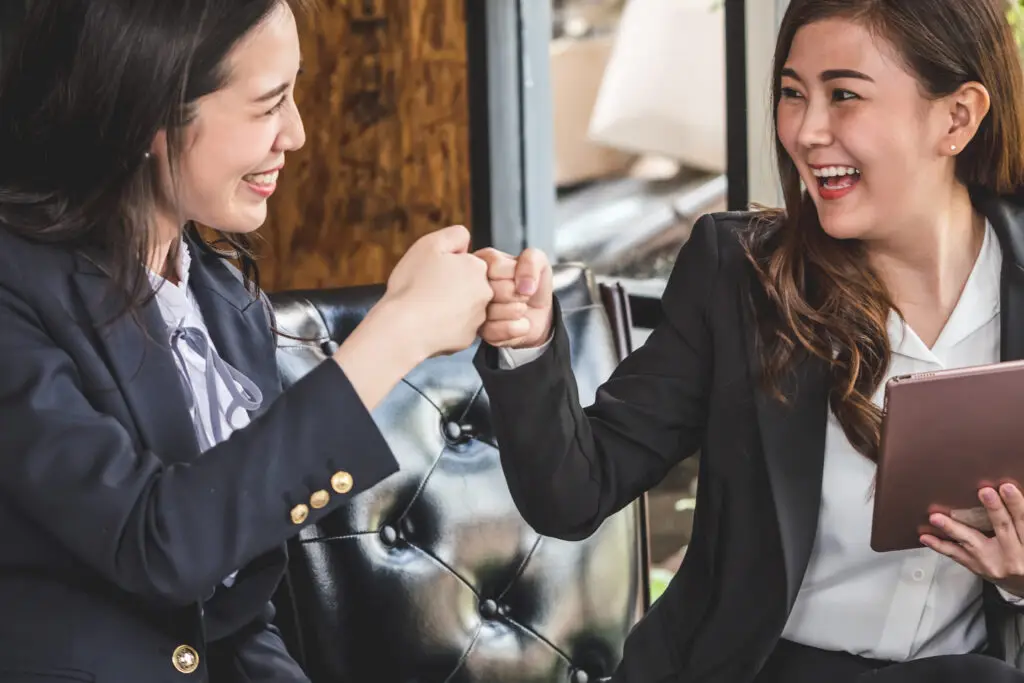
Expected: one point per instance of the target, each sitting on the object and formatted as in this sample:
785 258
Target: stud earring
952 148
147 156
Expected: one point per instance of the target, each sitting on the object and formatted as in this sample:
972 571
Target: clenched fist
519 314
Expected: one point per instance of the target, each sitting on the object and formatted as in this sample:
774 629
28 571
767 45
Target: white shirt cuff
1011 598
510 359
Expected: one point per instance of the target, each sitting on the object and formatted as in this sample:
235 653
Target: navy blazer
115 532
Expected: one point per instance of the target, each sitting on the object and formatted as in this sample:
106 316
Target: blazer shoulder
27 266
715 254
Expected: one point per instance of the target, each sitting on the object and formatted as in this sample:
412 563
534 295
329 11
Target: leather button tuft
579 676
452 431
185 659
329 347
319 499
388 535
488 609
341 482
299 514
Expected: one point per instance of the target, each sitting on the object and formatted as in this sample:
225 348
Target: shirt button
918 575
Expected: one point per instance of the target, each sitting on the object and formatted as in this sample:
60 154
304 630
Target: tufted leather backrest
432 576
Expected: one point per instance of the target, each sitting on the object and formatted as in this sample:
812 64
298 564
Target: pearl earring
952 148
147 156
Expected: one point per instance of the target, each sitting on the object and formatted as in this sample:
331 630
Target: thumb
530 268
454 239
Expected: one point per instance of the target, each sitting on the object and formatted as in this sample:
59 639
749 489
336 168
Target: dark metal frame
511 141
512 185
736 133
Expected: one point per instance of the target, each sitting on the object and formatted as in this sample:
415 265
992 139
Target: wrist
391 327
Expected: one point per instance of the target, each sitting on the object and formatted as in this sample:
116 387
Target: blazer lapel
793 443
1007 220
138 354
236 321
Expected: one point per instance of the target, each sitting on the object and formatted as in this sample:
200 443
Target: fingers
505 332
954 551
530 269
1014 500
500 266
506 311
1002 522
959 533
454 239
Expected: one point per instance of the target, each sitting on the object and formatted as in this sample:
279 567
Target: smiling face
236 144
865 139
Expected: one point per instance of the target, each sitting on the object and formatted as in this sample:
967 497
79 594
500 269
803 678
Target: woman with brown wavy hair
901 248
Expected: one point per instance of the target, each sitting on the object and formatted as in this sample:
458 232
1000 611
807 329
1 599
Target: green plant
1016 16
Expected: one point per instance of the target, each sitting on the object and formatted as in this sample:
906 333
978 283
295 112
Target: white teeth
262 178
833 171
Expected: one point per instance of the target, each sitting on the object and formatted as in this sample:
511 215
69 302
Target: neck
926 261
164 252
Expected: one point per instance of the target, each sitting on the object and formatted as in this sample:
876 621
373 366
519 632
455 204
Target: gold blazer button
319 499
185 659
341 482
299 514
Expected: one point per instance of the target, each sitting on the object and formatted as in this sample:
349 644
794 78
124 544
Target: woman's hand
435 303
438 293
999 559
520 314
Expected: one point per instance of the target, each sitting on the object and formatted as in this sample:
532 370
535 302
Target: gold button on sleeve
299 514
341 482
319 499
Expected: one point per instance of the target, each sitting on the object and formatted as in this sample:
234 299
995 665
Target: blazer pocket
9 674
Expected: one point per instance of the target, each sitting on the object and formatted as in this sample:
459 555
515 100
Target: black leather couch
433 576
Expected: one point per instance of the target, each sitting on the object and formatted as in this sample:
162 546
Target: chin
843 227
243 222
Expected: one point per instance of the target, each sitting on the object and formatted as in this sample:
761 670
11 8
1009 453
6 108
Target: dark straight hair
85 87
818 295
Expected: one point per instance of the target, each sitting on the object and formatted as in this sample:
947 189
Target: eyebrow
271 94
831 74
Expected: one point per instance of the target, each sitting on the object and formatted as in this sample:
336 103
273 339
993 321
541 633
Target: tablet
945 435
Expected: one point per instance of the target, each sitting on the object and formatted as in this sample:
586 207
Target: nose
293 133
816 126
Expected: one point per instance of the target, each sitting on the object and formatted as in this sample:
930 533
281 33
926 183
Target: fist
441 292
519 314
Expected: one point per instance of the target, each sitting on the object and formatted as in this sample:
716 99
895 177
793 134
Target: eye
840 95
277 107
789 93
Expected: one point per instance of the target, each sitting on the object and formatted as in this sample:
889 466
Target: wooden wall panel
383 99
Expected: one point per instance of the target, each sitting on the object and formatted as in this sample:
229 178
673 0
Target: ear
966 108
158 147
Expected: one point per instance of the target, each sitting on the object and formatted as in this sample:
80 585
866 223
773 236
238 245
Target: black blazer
692 387
115 533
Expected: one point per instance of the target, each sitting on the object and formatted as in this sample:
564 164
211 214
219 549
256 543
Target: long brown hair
817 295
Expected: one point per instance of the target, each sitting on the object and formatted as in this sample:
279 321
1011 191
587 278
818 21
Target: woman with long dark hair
151 467
900 140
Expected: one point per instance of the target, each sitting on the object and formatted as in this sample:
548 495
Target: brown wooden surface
383 98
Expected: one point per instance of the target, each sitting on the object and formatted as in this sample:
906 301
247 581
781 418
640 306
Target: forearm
547 447
380 352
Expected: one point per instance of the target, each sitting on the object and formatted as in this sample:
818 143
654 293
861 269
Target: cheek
788 127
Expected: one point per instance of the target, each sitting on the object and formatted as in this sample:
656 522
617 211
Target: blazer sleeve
569 468
169 532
